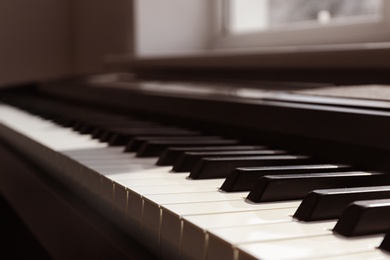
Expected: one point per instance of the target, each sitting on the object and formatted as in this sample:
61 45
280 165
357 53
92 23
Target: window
254 23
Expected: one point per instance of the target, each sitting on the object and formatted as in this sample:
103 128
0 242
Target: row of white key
179 217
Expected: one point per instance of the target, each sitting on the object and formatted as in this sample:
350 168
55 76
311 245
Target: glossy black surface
243 179
155 148
172 154
136 143
364 218
291 187
189 159
123 136
209 168
329 204
385 245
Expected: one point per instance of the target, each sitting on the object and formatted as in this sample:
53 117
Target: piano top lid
362 92
375 97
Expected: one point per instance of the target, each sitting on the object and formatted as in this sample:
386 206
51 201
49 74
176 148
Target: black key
123 137
136 143
155 148
64 121
188 160
292 187
329 204
149 129
209 168
88 125
385 245
364 218
105 132
77 125
85 127
107 124
243 179
171 155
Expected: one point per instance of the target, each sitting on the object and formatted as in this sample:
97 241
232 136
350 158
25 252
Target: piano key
307 248
122 137
385 245
172 218
195 235
201 197
242 179
88 127
152 203
329 204
136 143
221 167
136 196
118 174
151 211
290 187
155 148
104 133
171 154
107 133
188 160
374 254
63 120
364 218
222 242
58 139
141 186
177 179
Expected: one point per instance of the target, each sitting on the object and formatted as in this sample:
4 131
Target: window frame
363 31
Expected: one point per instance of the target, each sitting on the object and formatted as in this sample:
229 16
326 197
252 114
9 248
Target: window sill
351 56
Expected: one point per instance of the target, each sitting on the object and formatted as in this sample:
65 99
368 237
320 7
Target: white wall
46 39
172 26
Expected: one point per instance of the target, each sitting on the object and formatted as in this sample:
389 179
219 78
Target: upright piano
222 166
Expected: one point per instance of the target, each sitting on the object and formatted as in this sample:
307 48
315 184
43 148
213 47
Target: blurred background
47 39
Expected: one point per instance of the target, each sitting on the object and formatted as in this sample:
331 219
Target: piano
184 169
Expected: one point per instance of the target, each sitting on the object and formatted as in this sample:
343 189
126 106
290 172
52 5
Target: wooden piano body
73 220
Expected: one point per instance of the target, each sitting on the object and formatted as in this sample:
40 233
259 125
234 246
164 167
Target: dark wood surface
16 240
44 219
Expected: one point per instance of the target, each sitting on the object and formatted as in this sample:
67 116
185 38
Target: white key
172 218
45 132
196 237
136 196
222 242
151 217
375 254
308 248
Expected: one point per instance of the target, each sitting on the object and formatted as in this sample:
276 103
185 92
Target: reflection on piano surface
215 173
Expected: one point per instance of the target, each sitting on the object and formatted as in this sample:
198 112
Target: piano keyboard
178 217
